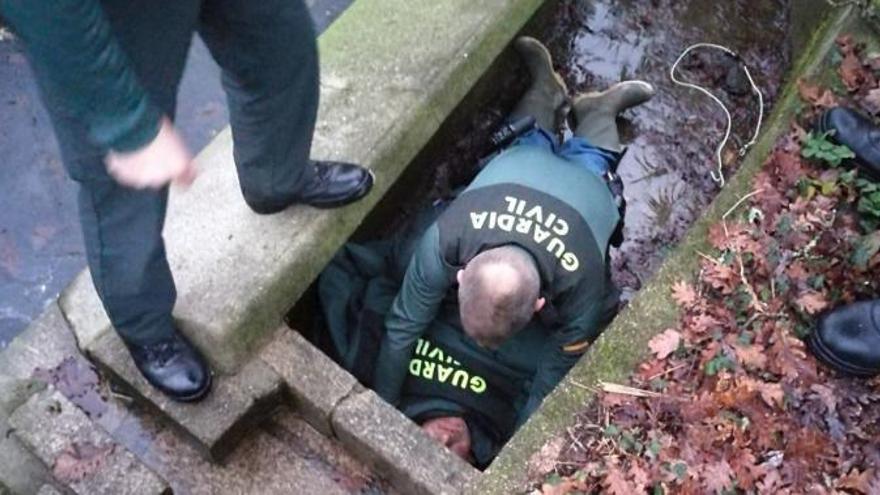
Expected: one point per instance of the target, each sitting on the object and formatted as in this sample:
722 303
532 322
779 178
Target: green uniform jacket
562 214
83 71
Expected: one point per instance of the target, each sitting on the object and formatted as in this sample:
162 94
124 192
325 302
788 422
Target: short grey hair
492 311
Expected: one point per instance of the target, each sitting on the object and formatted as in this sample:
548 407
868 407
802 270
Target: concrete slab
316 384
83 457
48 490
43 345
216 423
20 470
392 71
383 437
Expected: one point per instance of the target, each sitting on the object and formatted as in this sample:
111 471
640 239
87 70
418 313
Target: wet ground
40 243
673 137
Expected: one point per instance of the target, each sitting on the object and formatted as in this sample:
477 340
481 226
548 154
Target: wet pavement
40 242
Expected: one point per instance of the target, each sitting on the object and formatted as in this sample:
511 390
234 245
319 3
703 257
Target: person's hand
164 160
452 432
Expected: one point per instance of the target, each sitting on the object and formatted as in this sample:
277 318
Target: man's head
498 293
452 432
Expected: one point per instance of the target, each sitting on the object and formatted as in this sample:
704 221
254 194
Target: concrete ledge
382 437
44 344
216 423
624 344
316 384
83 457
392 70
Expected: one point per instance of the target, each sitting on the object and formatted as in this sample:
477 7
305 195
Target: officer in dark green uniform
109 72
507 287
546 202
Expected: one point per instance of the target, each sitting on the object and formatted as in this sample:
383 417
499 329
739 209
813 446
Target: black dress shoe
856 132
175 367
848 339
336 184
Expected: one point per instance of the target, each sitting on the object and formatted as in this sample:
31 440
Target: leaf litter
742 407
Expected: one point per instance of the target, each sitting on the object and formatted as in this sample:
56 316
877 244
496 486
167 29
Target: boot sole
826 357
822 127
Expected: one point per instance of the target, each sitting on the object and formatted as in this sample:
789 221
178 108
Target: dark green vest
556 235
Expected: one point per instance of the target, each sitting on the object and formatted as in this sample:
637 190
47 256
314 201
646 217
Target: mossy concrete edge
624 344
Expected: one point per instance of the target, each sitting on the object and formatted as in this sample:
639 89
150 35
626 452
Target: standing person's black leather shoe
336 184
175 367
848 339
858 133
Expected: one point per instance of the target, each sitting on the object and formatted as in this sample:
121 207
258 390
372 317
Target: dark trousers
268 55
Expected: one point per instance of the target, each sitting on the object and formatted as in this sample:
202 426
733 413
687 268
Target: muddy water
672 139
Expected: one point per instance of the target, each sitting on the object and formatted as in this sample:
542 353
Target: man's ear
539 304
459 275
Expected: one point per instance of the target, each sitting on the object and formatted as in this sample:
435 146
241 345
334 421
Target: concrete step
80 455
215 424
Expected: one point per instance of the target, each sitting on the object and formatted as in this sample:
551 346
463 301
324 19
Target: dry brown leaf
718 476
684 294
615 482
852 74
544 461
816 95
751 356
812 302
861 481
772 393
664 344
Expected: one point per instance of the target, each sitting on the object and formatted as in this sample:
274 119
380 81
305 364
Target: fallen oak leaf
664 344
718 477
812 302
684 294
751 356
816 95
865 482
851 72
615 482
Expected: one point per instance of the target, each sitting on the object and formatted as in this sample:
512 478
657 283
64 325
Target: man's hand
451 432
164 160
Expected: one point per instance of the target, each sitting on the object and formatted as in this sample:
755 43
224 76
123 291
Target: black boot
856 132
334 184
174 367
848 339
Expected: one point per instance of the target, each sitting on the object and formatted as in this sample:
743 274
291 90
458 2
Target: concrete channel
401 79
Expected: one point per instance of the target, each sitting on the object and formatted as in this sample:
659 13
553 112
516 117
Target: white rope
718 176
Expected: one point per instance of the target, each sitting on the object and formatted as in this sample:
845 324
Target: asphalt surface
40 242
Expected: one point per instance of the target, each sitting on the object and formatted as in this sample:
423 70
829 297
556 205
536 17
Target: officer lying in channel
505 287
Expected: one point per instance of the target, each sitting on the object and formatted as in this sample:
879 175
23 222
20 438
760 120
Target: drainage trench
672 139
